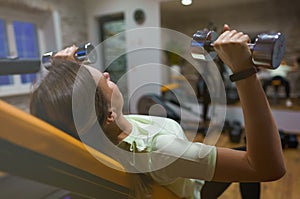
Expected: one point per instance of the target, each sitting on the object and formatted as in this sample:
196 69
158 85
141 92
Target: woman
263 160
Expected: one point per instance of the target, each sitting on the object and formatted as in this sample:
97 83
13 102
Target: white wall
135 39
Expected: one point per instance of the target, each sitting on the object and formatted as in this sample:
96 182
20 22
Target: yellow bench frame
34 149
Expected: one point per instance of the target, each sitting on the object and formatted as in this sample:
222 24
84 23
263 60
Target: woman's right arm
263 160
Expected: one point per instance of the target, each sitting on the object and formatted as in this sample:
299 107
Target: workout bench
34 149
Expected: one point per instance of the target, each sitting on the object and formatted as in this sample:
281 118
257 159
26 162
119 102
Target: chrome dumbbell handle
84 53
267 50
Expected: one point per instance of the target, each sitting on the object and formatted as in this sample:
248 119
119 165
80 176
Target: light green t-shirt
165 136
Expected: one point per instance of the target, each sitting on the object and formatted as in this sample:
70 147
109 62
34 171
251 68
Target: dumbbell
84 53
267 50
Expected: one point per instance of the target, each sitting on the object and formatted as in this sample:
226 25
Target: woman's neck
118 130
125 127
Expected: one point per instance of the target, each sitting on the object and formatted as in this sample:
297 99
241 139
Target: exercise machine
11 66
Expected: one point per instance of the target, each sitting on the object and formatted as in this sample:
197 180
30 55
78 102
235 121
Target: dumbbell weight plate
46 59
201 47
268 50
86 53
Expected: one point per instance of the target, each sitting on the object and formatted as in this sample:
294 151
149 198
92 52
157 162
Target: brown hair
52 100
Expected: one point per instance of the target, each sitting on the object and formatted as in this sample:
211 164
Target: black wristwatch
243 74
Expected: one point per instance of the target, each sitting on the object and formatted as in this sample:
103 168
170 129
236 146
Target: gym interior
145 46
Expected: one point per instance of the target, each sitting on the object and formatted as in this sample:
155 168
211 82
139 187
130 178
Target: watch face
278 50
139 16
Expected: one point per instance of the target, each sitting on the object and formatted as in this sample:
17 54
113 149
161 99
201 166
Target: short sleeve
190 159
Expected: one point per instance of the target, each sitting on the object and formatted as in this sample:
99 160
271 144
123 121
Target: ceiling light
186 2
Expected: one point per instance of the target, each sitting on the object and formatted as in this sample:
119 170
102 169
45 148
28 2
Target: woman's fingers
67 53
232 48
226 27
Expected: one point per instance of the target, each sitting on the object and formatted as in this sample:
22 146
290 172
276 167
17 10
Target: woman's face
110 90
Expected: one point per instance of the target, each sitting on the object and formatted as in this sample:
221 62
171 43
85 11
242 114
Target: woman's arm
263 160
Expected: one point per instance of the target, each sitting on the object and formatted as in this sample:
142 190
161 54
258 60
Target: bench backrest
36 150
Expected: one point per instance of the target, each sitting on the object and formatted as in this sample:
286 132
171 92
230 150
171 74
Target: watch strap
243 74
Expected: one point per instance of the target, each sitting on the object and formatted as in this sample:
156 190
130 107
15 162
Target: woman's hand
232 48
67 53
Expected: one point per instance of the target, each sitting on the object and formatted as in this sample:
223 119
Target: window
4 80
27 46
22 35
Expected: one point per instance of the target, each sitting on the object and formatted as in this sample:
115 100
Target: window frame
48 37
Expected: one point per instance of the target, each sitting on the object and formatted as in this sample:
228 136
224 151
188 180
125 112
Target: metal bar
19 66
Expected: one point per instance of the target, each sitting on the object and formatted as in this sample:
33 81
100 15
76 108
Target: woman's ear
111 117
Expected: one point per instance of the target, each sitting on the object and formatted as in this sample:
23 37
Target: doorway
111 25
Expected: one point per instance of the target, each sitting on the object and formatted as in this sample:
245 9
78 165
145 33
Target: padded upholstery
29 132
